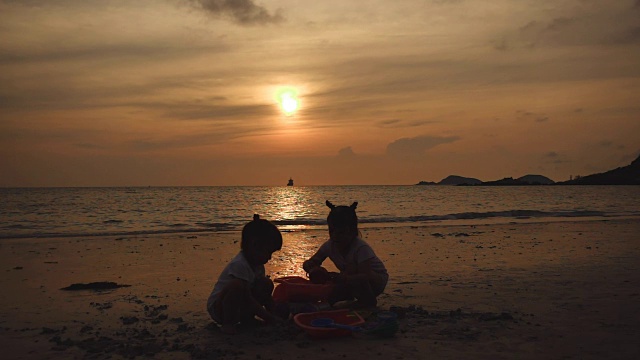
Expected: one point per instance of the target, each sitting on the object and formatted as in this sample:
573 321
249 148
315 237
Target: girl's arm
263 313
315 261
311 265
261 300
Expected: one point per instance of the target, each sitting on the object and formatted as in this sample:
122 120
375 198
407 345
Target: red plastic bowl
345 316
299 289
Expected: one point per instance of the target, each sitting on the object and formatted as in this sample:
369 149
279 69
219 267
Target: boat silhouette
290 183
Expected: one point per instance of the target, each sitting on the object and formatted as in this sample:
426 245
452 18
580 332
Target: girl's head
343 223
260 239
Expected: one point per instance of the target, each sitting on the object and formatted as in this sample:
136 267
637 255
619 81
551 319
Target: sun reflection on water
297 247
299 241
288 203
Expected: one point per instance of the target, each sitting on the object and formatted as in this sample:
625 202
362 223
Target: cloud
124 53
447 2
346 152
162 143
582 24
554 158
530 116
389 123
243 12
562 29
90 146
214 111
608 144
628 36
397 123
417 145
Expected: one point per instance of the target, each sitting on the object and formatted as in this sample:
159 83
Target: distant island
626 175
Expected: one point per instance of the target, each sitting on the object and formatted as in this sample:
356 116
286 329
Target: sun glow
288 100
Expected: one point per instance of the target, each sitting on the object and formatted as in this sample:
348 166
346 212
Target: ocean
73 212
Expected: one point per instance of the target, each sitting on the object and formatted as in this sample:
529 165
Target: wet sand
561 290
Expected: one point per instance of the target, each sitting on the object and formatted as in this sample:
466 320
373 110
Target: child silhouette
243 291
363 275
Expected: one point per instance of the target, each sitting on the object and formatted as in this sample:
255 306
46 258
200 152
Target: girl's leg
233 302
341 292
362 290
262 291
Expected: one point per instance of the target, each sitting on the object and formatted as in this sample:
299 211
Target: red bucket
299 289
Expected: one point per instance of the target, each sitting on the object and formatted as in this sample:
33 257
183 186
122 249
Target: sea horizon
127 211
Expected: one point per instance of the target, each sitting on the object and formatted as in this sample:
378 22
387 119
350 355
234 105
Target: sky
189 92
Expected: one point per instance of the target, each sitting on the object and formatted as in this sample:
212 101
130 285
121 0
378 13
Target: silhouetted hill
536 180
626 175
453 180
426 183
459 180
505 182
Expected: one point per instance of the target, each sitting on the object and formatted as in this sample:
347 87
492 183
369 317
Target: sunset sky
185 92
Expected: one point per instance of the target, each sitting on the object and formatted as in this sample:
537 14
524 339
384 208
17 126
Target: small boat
290 183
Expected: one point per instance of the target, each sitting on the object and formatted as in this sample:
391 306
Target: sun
288 100
289 103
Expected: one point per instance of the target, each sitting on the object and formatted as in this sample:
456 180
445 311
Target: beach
564 289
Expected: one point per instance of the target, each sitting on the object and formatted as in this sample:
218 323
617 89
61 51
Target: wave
518 214
17 231
108 233
515 214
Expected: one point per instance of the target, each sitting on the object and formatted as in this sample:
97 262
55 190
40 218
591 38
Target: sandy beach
557 290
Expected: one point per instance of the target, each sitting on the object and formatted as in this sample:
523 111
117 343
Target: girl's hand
319 275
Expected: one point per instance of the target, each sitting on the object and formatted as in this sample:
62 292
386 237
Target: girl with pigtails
363 275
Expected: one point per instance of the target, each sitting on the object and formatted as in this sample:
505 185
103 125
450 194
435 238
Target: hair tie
256 217
330 205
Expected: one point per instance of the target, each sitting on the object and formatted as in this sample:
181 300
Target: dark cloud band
243 12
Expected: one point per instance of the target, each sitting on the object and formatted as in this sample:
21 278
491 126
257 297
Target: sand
560 290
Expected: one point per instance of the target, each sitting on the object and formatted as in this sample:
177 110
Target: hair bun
256 217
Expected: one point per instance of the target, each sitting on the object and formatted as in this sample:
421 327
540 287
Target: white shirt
359 251
237 268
